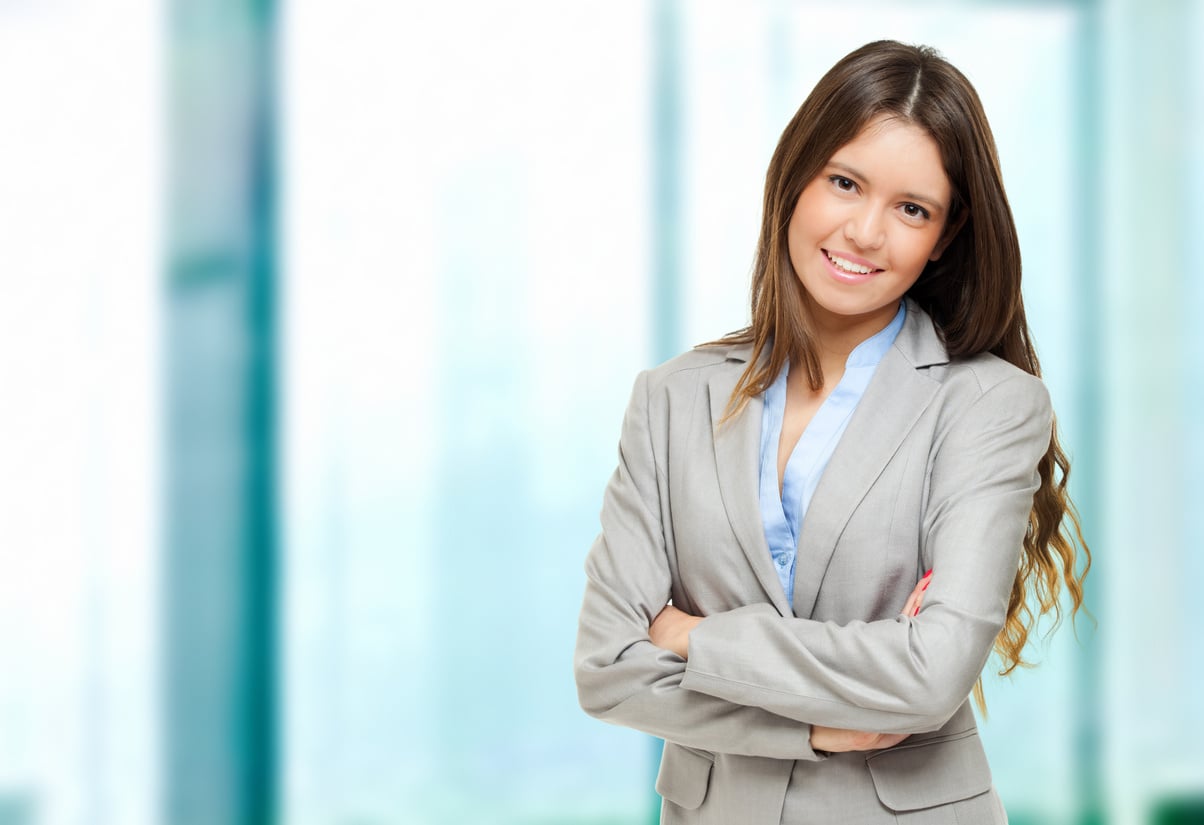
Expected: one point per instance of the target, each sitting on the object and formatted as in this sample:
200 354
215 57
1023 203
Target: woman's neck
836 336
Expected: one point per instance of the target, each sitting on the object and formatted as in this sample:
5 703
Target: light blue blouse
783 515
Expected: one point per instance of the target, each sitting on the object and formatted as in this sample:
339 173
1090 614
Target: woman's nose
864 228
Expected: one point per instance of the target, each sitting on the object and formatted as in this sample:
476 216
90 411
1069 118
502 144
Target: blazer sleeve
907 674
621 676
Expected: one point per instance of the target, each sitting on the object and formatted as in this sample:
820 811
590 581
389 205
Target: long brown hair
972 292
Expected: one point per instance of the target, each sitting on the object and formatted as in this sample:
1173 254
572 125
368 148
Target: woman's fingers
888 740
842 740
916 599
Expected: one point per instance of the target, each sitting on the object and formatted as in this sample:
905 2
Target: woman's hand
916 598
840 740
671 630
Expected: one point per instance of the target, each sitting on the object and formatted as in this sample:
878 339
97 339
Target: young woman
780 492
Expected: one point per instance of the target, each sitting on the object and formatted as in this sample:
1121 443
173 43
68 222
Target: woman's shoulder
964 375
984 372
986 380
698 363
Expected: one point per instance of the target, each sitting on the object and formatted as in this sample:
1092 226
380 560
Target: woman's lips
844 275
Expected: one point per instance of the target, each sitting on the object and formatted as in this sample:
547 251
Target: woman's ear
949 234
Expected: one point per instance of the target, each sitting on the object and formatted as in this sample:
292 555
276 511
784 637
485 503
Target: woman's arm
671 627
671 630
904 675
622 677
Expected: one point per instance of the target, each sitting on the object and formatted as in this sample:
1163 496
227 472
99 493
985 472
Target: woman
780 492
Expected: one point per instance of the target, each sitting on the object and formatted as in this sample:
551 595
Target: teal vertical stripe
1087 467
221 535
260 586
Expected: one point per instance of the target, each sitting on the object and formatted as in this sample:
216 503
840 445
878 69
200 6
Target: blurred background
317 322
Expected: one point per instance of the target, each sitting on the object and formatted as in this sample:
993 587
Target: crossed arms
755 681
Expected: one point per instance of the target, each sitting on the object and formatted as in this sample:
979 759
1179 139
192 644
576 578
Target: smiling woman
821 525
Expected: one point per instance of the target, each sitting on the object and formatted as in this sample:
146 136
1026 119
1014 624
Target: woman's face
865 227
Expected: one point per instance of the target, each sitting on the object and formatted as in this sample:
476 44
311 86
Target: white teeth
849 266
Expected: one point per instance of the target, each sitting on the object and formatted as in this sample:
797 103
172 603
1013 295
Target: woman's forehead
892 153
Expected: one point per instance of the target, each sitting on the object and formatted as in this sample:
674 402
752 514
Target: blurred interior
319 321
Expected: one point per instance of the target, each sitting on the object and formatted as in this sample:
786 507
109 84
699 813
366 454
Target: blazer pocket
933 772
684 775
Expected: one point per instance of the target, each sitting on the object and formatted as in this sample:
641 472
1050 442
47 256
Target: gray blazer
937 469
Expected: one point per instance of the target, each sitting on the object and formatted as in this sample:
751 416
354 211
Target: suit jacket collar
898 393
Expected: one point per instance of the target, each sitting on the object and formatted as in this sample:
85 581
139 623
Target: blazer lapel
896 396
738 459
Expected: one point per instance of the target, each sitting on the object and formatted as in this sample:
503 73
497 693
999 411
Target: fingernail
916 612
926 585
926 575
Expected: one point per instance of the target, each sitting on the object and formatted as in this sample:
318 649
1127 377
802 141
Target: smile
849 266
848 271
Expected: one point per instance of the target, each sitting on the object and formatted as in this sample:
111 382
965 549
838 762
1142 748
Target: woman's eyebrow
913 196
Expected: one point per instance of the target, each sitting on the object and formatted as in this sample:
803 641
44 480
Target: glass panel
466 242
80 155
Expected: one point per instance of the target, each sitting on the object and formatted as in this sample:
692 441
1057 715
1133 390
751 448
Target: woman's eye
912 210
842 183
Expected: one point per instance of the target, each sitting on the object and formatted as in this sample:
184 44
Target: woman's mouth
849 270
